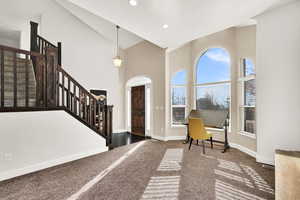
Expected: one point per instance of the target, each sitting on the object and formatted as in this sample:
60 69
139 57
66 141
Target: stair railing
83 105
62 90
39 44
55 89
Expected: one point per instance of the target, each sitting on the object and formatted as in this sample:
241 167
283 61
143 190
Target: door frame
139 81
138 92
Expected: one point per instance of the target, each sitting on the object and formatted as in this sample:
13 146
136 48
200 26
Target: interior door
138 110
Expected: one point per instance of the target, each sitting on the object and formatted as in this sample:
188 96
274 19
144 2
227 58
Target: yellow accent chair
197 132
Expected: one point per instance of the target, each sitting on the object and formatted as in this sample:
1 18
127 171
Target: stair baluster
35 81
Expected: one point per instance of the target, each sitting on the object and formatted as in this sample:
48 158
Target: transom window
212 86
178 100
247 87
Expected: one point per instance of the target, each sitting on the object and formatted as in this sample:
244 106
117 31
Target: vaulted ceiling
187 19
15 13
100 25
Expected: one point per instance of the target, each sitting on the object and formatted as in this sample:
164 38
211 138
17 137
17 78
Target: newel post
33 36
51 75
59 53
40 62
108 124
33 43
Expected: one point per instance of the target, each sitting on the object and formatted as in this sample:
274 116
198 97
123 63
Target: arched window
213 80
178 100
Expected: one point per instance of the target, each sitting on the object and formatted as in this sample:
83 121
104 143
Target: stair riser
20 104
22 75
19 92
19 96
19 89
19 64
20 83
18 68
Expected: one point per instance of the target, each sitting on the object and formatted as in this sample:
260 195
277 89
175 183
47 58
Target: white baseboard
51 163
120 131
243 149
158 137
168 138
265 160
175 138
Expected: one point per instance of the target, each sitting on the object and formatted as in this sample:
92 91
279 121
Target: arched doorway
139 105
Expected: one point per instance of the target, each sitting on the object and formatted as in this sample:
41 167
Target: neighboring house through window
178 100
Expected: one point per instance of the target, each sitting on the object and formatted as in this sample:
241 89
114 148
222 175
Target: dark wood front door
138 110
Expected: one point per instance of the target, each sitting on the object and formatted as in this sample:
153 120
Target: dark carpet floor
233 175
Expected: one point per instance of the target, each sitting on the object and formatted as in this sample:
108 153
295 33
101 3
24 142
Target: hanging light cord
118 27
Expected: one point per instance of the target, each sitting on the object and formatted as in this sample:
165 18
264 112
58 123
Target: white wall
139 81
240 43
11 42
86 55
278 69
190 54
15 32
31 141
245 48
177 60
147 59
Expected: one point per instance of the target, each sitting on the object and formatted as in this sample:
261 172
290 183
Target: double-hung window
247 89
178 98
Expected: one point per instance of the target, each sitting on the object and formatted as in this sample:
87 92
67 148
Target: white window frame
178 106
214 84
215 130
242 79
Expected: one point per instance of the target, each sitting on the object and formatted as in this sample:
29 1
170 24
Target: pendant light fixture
117 60
133 2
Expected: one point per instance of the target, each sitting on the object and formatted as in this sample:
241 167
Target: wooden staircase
24 71
35 81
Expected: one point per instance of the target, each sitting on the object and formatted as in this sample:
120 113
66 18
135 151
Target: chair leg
203 146
190 143
211 143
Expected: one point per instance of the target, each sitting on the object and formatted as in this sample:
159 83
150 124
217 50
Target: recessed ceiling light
133 2
165 26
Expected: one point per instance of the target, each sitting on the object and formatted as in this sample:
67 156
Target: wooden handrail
39 43
74 81
46 41
55 89
83 104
